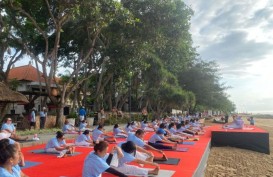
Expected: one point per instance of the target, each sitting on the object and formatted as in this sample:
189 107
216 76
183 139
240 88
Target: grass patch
43 131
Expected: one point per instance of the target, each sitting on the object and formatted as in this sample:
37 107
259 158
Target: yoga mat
42 151
30 164
188 143
170 161
161 173
178 149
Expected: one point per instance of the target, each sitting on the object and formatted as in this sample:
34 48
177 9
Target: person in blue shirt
58 145
82 113
99 161
118 132
83 126
68 128
10 128
99 135
129 155
137 138
32 120
158 138
9 159
84 139
43 115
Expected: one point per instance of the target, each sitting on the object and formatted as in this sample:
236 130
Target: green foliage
72 115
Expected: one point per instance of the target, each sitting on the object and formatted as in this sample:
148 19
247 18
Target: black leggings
158 145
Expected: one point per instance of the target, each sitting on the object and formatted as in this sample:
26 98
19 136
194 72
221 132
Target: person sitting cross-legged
58 145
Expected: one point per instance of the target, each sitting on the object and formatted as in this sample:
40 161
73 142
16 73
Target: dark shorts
32 124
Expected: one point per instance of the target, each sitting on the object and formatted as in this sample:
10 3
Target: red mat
51 166
249 128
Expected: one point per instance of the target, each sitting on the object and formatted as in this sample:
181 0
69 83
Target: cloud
233 34
235 47
238 36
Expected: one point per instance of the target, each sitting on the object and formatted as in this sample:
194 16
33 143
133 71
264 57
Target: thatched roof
8 95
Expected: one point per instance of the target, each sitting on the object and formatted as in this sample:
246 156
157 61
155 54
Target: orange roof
27 72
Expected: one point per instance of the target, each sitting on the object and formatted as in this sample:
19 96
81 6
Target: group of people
167 134
134 149
32 118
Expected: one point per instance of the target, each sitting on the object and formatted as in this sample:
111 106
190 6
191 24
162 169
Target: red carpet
249 128
72 166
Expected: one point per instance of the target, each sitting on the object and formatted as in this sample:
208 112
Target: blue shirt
117 131
154 138
82 138
127 158
173 130
53 143
66 127
33 116
136 140
96 134
82 126
15 169
94 165
82 112
129 129
9 127
43 114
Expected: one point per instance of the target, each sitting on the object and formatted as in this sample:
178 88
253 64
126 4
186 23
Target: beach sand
229 161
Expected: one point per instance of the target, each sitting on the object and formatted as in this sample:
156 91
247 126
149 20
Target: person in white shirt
10 130
43 115
84 139
99 161
58 145
129 151
118 132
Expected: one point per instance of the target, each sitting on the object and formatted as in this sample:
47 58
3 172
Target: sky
238 36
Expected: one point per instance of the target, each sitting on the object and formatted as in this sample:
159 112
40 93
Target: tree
203 79
40 26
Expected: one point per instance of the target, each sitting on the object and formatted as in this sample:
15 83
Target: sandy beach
229 161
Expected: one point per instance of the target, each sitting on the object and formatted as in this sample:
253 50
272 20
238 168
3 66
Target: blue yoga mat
30 164
42 151
188 143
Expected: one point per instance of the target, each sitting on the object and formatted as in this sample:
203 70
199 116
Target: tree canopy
138 50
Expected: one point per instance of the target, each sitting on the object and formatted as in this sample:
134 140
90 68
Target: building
32 85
